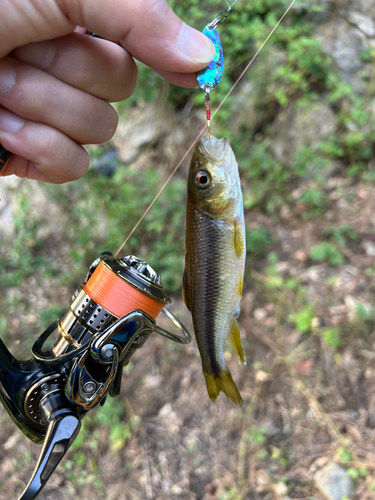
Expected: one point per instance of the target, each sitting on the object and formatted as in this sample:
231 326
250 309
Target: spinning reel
110 316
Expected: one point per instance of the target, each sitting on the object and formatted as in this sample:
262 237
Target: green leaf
302 319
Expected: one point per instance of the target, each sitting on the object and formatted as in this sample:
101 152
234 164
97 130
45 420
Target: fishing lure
209 77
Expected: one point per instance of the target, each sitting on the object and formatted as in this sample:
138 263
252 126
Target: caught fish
215 259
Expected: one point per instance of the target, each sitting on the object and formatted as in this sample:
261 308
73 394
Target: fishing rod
110 316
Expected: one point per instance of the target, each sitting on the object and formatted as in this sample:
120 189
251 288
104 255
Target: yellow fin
239 237
235 340
240 286
225 383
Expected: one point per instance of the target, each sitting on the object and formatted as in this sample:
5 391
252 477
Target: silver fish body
215 259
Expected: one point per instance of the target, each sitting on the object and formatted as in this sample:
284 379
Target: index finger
148 29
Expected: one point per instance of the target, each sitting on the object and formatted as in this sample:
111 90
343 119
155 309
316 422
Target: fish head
214 184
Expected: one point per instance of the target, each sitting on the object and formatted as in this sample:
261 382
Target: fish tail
223 382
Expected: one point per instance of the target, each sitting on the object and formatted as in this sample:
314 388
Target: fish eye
202 179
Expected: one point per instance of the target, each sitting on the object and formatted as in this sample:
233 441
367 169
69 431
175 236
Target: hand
56 82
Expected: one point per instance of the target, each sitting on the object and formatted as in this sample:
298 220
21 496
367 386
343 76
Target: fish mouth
213 147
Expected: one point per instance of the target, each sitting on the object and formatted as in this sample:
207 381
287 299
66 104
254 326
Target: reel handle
62 430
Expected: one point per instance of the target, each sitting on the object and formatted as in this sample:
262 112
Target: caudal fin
225 383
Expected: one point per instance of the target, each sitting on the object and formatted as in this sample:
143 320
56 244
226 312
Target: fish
215 259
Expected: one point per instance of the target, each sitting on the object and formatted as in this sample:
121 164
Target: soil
304 403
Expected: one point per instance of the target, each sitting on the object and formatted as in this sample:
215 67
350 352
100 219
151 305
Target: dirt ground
305 402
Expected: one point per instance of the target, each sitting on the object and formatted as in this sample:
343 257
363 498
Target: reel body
110 316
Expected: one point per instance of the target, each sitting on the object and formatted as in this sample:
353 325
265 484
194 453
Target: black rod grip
4 157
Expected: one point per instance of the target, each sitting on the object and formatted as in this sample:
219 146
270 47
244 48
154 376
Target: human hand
56 82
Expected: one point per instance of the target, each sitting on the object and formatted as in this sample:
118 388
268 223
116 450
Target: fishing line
205 126
230 5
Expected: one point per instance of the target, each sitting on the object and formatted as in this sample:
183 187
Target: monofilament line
205 127
230 5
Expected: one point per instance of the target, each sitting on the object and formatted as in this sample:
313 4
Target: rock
318 464
272 429
3 197
369 248
333 482
141 129
364 23
7 222
7 185
300 255
351 305
345 44
105 164
365 7
262 376
302 127
280 490
313 11
260 313
153 381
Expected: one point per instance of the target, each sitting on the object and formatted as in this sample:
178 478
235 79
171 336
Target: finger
105 69
148 29
23 168
152 33
37 96
42 152
187 80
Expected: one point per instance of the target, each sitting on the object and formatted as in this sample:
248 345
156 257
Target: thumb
148 29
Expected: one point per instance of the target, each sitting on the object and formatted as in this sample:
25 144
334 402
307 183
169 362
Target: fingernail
9 122
195 45
7 77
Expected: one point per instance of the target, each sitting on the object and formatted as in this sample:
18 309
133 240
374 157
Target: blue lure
209 77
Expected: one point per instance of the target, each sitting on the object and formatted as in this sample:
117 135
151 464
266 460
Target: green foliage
315 198
326 252
110 417
340 234
265 178
364 312
344 454
50 314
26 256
303 318
258 240
331 336
257 436
355 473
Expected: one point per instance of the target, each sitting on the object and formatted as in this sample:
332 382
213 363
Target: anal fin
235 340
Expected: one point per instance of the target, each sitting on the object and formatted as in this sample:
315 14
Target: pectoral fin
235 340
239 237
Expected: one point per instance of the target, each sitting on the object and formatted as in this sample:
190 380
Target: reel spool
114 288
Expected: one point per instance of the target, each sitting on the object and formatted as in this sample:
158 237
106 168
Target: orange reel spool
122 286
